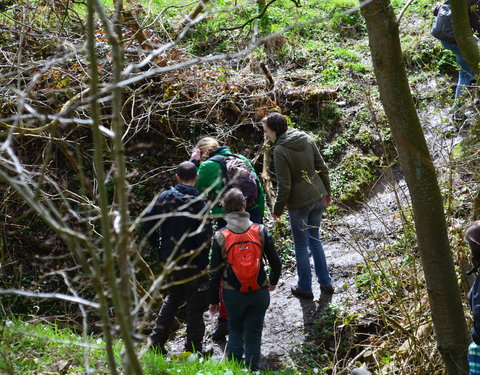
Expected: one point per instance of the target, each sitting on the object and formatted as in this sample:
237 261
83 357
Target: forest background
101 101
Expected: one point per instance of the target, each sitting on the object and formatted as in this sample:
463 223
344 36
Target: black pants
194 293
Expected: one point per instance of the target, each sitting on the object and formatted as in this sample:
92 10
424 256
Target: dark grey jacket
302 176
179 234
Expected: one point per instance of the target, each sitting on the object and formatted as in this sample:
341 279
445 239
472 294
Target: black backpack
442 28
237 173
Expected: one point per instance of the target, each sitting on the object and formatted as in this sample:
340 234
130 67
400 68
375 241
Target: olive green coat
302 176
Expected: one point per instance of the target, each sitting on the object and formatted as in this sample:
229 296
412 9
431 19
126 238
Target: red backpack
244 257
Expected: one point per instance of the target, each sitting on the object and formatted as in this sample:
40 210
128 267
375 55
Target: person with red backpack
218 170
237 263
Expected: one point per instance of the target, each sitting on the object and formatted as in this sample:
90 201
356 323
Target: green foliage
329 329
355 173
280 231
35 347
28 347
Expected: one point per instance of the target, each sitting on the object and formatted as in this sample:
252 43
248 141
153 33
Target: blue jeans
465 76
305 224
246 313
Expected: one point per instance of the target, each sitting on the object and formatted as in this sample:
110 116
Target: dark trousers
246 312
255 217
194 293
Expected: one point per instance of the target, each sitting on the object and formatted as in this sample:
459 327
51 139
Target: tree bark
193 14
464 35
447 313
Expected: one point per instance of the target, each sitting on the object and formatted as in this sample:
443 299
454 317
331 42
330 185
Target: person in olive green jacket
303 188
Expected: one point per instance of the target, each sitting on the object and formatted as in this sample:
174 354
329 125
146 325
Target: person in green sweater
206 156
210 178
303 188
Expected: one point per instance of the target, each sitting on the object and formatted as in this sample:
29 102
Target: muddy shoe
222 329
329 290
459 116
298 293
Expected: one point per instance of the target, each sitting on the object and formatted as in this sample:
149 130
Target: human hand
276 217
196 154
327 200
271 287
214 308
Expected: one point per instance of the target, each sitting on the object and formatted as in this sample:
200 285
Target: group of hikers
225 271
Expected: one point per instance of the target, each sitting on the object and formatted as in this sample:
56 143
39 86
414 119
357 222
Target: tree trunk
464 35
447 313
192 15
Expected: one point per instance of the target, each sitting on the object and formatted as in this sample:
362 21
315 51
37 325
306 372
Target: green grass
31 348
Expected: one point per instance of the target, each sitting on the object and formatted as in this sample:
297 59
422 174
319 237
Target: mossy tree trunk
415 160
464 35
470 51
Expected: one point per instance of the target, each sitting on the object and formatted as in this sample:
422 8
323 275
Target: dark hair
276 122
187 171
234 200
472 236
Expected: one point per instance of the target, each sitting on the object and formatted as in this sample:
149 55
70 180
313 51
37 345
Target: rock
360 371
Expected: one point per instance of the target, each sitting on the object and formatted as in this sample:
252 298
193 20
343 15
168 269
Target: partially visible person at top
303 188
246 303
466 76
183 243
472 236
210 178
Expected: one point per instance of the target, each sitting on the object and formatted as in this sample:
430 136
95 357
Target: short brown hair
186 171
276 122
234 200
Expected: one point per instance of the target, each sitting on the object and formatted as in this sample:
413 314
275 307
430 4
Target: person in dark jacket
466 76
246 310
176 225
303 188
472 236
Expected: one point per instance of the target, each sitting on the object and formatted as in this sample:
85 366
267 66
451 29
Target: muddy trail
348 242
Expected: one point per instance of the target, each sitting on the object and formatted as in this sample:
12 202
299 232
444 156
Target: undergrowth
38 347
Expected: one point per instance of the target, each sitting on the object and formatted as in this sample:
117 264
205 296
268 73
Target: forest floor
348 242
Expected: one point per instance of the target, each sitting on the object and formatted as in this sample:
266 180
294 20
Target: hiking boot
329 290
222 329
298 293
459 116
